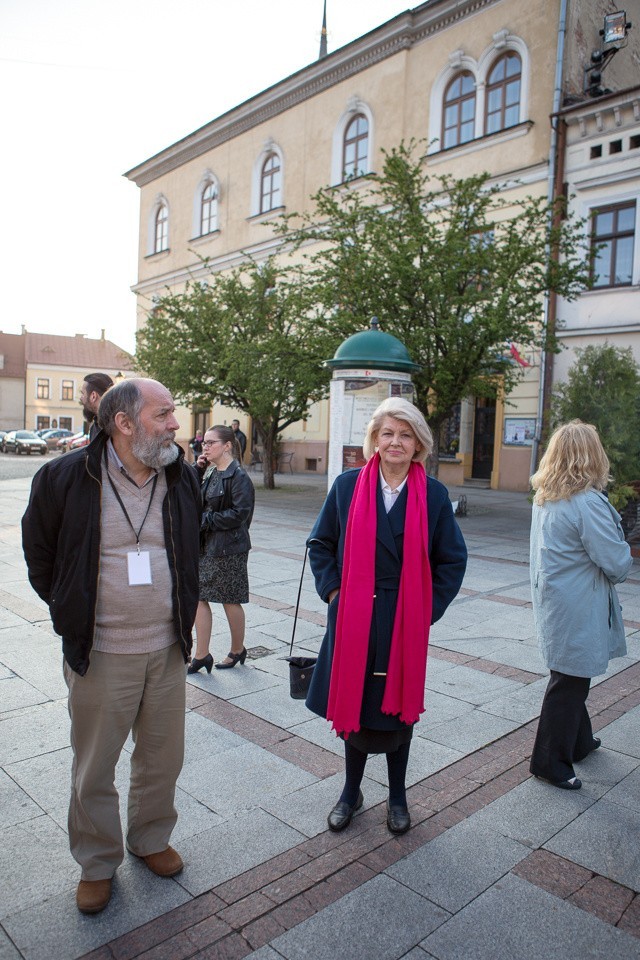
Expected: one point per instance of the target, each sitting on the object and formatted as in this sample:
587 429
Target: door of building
483 438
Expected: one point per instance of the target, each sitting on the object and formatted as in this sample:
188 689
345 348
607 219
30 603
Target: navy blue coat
448 559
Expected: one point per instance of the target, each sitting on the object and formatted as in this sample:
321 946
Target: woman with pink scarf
388 557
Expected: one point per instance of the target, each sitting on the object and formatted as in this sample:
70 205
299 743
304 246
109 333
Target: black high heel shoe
196 665
235 658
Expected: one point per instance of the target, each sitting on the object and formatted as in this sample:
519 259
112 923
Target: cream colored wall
11 403
54 407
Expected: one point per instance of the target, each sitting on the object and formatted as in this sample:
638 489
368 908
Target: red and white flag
517 356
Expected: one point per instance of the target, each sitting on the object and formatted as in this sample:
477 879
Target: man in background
240 436
93 388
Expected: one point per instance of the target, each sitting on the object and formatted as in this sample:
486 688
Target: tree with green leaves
249 339
453 268
603 388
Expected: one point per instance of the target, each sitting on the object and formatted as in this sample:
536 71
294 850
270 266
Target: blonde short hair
574 461
399 409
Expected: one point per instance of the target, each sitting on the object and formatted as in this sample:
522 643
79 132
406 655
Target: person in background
388 557
94 387
240 437
196 446
99 537
227 503
577 553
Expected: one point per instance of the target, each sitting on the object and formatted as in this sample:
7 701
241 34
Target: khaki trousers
142 694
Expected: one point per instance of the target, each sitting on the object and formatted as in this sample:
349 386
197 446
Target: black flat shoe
340 816
597 742
573 784
234 658
398 819
196 665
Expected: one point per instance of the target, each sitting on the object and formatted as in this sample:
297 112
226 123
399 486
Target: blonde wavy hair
399 409
574 461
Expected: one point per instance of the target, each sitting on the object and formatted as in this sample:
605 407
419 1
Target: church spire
323 34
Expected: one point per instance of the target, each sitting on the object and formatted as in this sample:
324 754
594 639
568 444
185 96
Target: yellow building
478 79
51 378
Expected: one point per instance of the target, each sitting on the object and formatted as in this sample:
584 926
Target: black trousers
564 732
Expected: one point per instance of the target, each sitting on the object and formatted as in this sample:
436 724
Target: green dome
373 350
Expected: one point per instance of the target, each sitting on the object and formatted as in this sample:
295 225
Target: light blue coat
578 552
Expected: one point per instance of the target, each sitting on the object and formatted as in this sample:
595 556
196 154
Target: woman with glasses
227 501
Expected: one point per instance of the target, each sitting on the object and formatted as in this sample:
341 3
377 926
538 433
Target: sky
89 90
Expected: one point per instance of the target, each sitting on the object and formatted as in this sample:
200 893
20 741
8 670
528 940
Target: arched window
459 113
355 153
270 183
162 229
503 93
208 209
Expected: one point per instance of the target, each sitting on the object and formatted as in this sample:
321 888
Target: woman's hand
202 461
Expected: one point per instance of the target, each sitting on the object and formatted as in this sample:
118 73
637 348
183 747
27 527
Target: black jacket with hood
61 542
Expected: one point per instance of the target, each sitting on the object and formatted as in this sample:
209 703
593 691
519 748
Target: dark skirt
224 579
367 740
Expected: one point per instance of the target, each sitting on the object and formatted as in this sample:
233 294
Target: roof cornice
401 33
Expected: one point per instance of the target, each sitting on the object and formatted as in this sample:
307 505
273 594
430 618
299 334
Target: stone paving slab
624 734
402 919
444 873
603 839
522 922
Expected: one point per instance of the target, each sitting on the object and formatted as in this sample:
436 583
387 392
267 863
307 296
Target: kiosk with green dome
367 368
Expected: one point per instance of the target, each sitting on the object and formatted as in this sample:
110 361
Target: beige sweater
136 619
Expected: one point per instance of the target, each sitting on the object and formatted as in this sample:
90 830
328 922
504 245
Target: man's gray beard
151 450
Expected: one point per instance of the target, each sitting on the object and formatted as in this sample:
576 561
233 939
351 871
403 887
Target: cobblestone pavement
496 865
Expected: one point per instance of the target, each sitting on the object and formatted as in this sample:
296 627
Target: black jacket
61 542
227 503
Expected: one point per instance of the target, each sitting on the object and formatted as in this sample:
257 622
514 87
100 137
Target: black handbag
300 668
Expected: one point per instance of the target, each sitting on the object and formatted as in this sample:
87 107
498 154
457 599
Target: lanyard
124 509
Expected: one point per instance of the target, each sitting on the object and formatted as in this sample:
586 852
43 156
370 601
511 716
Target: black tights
355 762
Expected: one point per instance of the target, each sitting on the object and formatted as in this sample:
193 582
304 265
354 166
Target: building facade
476 79
44 377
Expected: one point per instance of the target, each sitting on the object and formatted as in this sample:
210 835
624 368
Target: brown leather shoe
92 896
164 864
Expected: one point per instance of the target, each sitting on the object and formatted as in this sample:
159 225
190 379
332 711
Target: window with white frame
208 209
355 149
42 388
502 96
270 183
161 229
459 111
612 241
66 390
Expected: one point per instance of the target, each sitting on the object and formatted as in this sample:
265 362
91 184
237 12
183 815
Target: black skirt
224 579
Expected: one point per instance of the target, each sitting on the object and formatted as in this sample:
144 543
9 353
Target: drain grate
254 653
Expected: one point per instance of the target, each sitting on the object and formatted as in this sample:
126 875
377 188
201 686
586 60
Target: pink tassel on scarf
404 688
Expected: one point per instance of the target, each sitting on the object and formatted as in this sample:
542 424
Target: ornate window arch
267 190
459 66
352 149
158 226
205 205
490 97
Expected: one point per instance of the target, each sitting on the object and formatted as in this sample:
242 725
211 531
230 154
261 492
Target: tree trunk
433 463
268 457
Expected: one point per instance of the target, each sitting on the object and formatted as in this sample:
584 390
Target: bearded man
111 539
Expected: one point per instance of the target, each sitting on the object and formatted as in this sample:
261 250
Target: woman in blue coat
388 557
578 553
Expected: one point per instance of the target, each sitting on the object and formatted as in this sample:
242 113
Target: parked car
23 441
51 437
71 443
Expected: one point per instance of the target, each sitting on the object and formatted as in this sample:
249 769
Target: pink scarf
404 688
